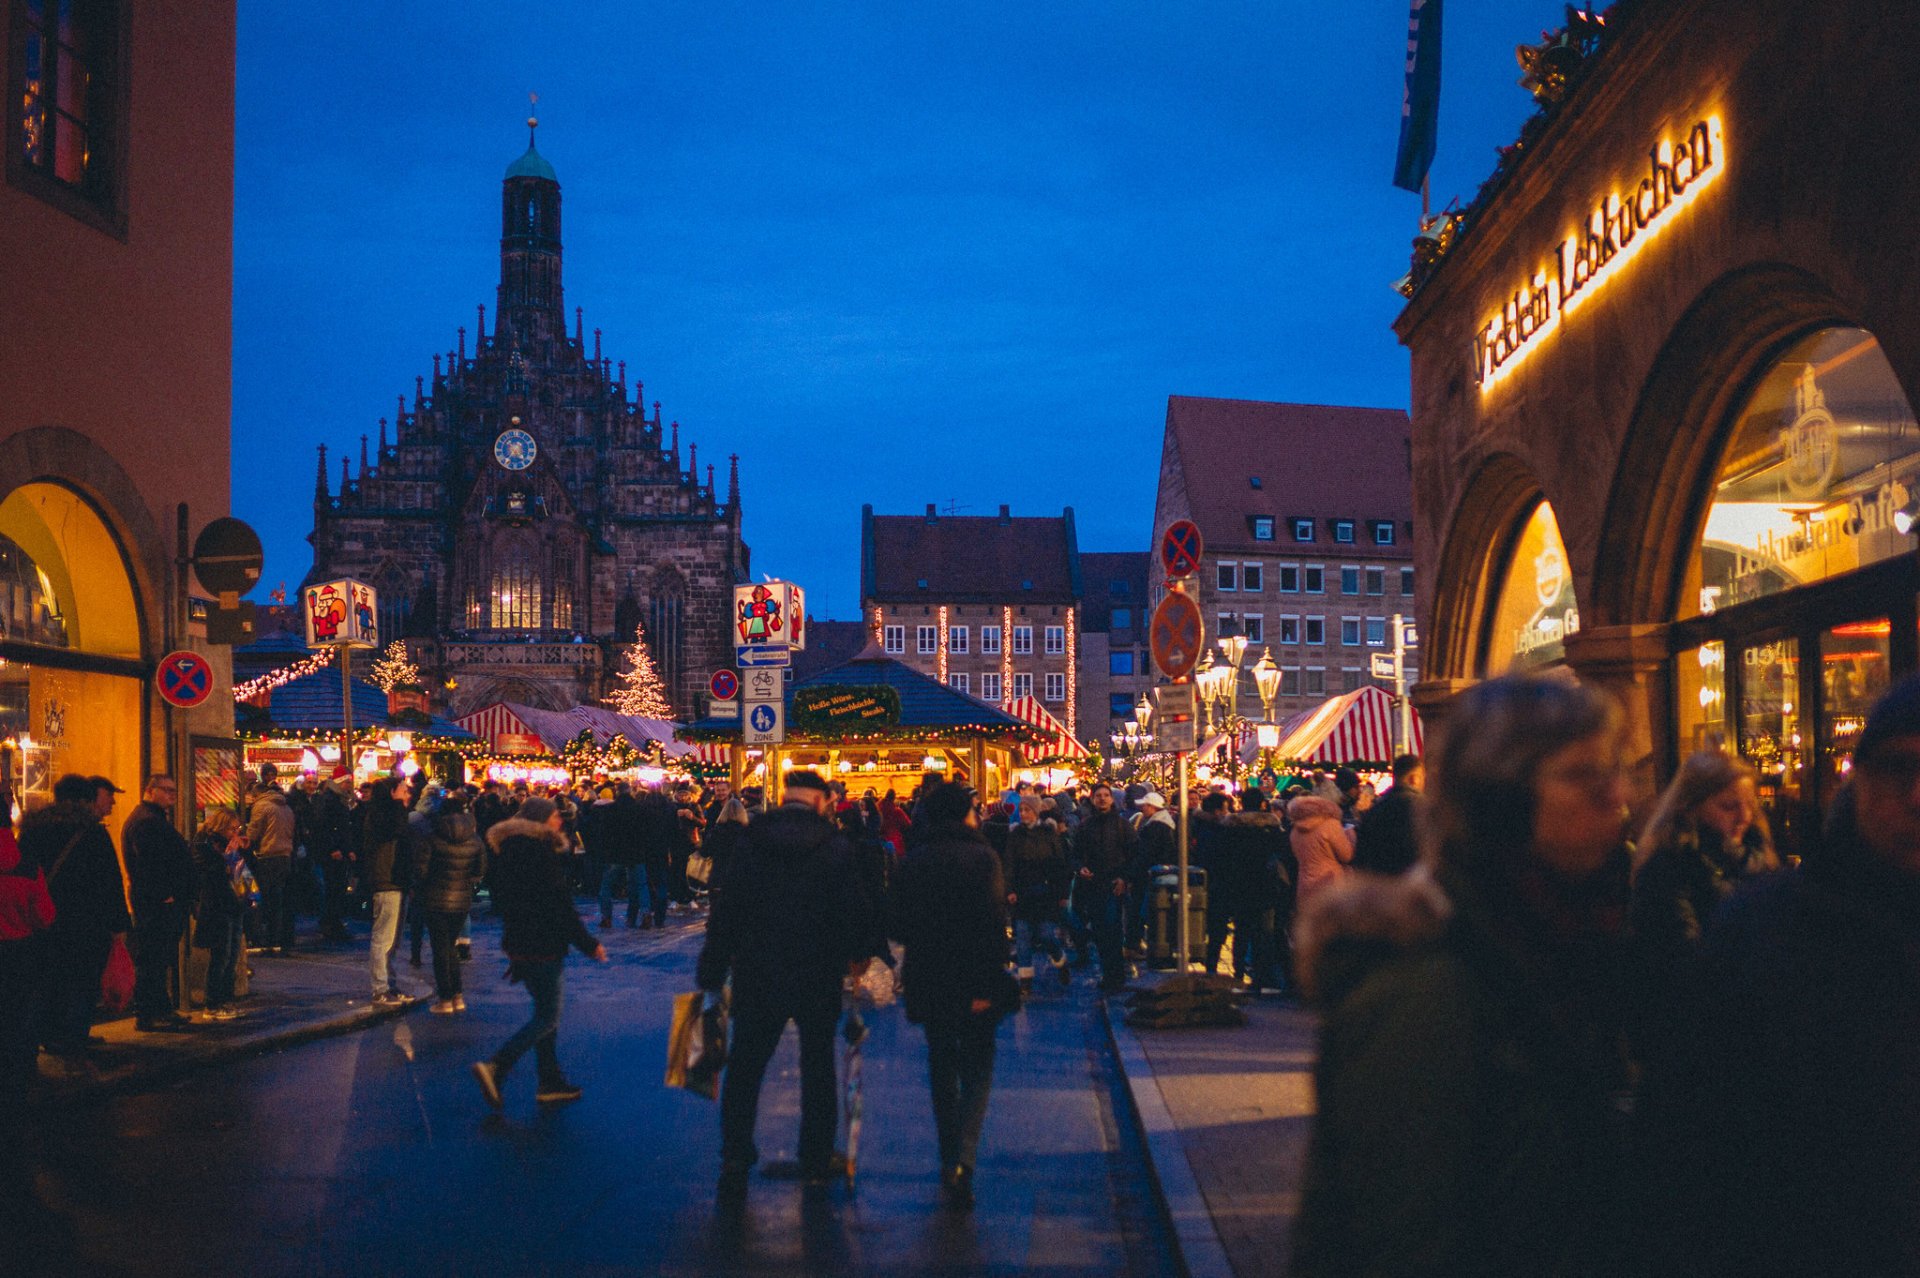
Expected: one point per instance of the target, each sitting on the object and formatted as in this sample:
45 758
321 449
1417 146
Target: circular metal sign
725 685
1180 548
1177 636
184 679
227 557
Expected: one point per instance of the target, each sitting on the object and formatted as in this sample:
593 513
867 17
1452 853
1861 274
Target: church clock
515 449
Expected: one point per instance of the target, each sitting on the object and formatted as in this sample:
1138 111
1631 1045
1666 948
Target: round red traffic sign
184 679
1177 636
1180 548
725 685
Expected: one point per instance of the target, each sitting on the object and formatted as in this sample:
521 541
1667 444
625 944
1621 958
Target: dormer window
1263 528
1254 480
922 583
1343 530
1383 532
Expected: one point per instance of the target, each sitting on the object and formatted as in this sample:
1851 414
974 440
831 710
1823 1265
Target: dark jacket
330 824
949 909
1036 869
1806 1094
382 866
1251 859
218 903
455 862
724 841
159 862
1387 840
1468 1102
532 892
620 831
1106 844
271 823
790 915
88 897
1159 842
656 830
489 810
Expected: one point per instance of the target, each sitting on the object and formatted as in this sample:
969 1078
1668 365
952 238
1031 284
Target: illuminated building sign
1598 248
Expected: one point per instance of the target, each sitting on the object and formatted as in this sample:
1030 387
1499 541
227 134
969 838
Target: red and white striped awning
492 721
714 754
1355 728
1060 743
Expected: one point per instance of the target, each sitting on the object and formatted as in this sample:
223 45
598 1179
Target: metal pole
346 710
1405 723
1186 922
178 613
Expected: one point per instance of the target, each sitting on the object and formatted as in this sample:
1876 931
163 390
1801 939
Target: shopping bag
699 870
696 1045
854 1030
116 983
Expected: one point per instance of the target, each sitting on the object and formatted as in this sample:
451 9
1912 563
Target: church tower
530 511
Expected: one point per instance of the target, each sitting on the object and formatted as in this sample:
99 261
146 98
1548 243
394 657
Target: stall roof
1355 727
311 703
925 702
557 727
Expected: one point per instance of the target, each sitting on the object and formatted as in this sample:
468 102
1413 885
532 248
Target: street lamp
1143 710
1266 678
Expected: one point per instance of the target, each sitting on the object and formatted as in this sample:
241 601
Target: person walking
269 838
1470 1085
1251 855
725 837
455 862
950 913
619 831
26 913
384 876
1038 879
165 886
1322 846
67 843
539 925
1387 840
1108 851
790 921
656 822
221 914
335 849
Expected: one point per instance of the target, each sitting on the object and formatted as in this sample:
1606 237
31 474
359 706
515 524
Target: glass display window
1535 609
1855 671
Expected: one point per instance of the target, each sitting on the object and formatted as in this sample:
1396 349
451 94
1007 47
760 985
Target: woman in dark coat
221 914
1470 1086
456 861
950 912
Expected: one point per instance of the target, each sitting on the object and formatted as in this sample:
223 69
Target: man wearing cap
1806 1094
165 885
790 919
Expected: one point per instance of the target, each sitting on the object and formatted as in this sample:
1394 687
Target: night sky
887 253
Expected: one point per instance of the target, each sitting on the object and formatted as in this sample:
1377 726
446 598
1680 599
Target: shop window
1120 663
1534 611
1821 476
1855 660
1771 736
1701 692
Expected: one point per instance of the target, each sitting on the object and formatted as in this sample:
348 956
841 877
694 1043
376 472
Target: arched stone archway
1480 533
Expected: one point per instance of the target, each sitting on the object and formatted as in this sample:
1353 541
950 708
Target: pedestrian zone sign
765 723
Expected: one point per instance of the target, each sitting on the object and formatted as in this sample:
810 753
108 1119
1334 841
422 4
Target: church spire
320 478
733 480
530 304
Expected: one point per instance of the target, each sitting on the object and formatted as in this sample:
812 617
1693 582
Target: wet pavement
373 1153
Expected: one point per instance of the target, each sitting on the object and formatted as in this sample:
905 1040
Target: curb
63 1096
1195 1238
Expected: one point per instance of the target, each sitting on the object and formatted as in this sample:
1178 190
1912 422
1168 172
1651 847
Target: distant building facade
1116 669
989 605
528 512
1306 513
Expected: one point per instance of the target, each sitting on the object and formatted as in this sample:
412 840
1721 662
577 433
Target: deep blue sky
887 253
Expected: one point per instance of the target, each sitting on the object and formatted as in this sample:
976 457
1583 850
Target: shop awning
1354 728
1060 743
557 727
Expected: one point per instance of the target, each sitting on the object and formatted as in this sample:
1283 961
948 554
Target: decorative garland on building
262 684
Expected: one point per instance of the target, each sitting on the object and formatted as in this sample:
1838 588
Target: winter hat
537 809
1897 715
340 773
1151 799
807 779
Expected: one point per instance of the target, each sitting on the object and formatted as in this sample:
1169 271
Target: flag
1420 109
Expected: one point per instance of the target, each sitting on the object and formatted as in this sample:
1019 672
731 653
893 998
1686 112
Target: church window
67 100
515 593
562 604
667 632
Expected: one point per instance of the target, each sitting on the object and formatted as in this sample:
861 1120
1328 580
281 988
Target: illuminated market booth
523 743
879 725
1663 378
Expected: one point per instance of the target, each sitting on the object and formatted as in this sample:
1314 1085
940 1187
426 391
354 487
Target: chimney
1006 514
932 513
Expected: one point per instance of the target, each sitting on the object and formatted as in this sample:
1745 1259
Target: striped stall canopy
1354 728
1060 743
714 754
496 720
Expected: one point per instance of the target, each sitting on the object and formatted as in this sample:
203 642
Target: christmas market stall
1058 759
526 743
878 724
1352 730
291 716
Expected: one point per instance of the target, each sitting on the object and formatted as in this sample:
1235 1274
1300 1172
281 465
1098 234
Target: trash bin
1163 909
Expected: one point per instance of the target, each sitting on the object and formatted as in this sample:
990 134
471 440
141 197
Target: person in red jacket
26 912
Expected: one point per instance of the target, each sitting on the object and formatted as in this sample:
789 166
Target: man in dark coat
789 922
1108 851
165 884
1250 856
70 846
615 840
1388 840
331 826
950 912
1804 1101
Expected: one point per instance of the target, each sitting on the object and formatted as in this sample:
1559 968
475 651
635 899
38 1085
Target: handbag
699 869
116 982
697 1045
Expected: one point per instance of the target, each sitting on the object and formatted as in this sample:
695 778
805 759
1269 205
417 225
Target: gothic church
528 512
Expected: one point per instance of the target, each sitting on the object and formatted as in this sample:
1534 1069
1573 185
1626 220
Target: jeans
333 908
657 870
22 982
756 1034
444 926
960 1067
386 938
273 873
542 1033
1027 931
1109 920
156 960
636 877
220 938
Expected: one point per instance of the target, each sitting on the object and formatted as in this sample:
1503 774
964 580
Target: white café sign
1616 228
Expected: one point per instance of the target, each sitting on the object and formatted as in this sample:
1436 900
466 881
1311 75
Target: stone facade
528 512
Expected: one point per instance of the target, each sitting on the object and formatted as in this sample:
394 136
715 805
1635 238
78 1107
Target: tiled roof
925 702
557 727
1318 460
828 644
938 558
1112 579
311 703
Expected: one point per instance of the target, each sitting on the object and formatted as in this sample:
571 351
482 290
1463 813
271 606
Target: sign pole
346 709
1403 731
1185 930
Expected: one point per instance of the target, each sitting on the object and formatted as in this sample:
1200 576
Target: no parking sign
184 679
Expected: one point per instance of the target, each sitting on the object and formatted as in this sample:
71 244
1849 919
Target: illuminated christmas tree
637 689
393 670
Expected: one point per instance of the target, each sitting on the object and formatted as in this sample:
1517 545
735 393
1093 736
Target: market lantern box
341 613
768 614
